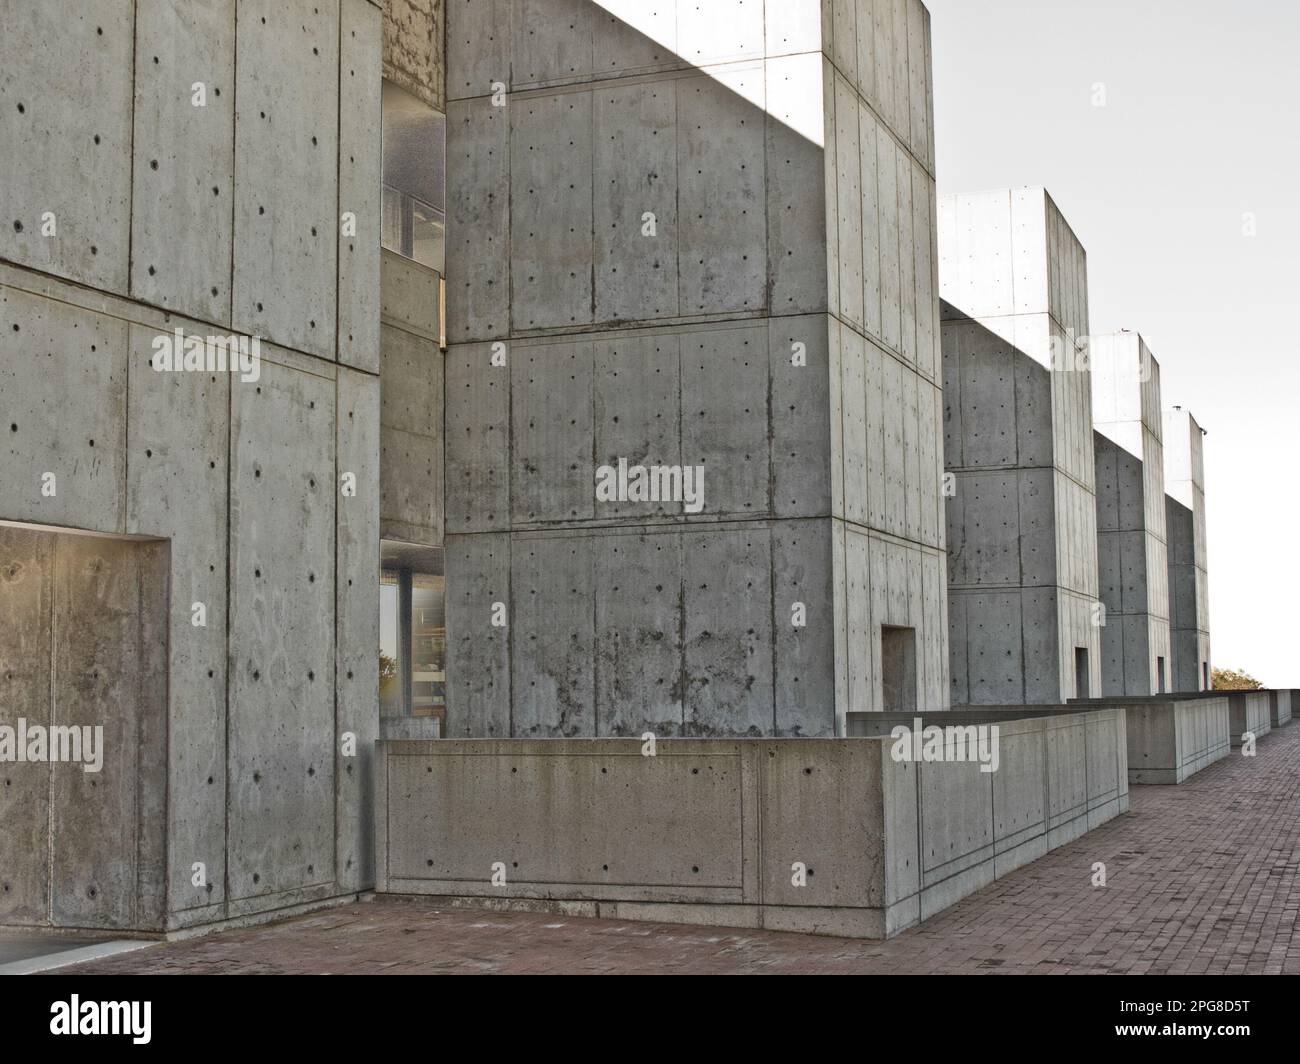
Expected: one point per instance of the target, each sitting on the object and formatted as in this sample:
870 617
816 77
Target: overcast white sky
1201 124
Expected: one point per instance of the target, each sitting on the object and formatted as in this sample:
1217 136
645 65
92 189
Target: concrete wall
1168 742
411 404
1279 707
710 831
1189 603
696 235
1133 563
216 219
84 644
1249 712
1021 521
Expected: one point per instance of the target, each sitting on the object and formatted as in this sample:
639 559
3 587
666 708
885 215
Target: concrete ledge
714 831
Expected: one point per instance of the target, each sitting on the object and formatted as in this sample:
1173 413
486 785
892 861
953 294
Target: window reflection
428 648
414 194
412 641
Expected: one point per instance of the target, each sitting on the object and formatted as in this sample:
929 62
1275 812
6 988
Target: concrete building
1131 550
694 242
1021 519
1189 604
585 360
189 554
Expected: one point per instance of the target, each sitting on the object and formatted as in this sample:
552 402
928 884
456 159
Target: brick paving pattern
1202 878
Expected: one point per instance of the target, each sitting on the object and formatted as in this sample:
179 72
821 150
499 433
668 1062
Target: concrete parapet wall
711 831
1280 705
1170 741
1249 711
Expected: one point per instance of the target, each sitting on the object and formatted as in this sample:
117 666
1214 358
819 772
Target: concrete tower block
1131 537
1189 607
224 615
696 236
1021 521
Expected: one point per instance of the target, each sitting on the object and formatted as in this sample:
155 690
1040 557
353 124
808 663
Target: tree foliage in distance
1234 680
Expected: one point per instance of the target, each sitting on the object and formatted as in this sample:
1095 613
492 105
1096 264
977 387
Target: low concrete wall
1279 707
1248 711
1171 741
714 831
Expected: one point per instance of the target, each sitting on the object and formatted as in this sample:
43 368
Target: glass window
413 637
428 647
391 694
414 154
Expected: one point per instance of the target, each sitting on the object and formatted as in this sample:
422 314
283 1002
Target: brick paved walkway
1202 878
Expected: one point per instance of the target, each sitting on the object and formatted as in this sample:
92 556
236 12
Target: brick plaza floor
1202 878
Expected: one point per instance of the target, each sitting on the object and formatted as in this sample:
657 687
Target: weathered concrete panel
361 177
178 442
635 175
849 214
722 217
281 743
286 173
107 827
478 600
551 211
478 48
552 42
796 205
799 409
552 583
727 633
411 439
408 295
356 627
478 220
724 400
410 480
803 620
65 93
478 439
638 656
551 478
49 351
26 603
183 170
637 412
